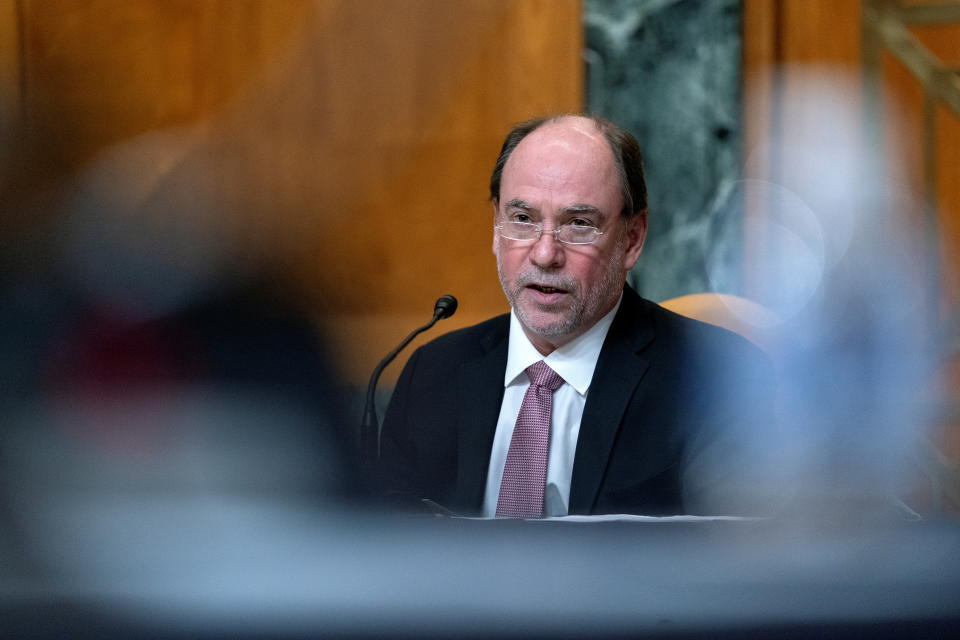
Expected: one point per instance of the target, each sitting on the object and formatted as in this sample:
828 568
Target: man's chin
541 323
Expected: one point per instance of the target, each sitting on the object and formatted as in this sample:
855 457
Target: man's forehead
572 133
570 155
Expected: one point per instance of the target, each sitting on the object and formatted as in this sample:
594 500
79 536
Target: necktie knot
541 375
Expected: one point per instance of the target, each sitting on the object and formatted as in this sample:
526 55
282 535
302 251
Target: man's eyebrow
517 203
523 205
582 208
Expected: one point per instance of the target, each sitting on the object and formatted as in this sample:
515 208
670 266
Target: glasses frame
556 232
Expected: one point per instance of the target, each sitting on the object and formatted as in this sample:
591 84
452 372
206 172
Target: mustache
546 279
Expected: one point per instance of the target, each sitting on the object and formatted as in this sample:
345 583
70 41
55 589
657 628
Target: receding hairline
621 144
558 121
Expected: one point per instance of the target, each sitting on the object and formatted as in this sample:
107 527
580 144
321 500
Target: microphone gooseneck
444 307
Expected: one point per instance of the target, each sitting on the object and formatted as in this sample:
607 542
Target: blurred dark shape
242 341
142 388
142 438
159 383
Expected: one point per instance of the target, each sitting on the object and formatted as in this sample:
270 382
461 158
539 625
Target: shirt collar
574 361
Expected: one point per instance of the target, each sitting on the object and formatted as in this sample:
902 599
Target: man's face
564 173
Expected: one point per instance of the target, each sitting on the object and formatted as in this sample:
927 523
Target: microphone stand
370 425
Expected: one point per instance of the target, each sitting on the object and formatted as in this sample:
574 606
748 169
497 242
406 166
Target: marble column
670 72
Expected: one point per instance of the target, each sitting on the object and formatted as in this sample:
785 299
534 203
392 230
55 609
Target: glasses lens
518 230
577 234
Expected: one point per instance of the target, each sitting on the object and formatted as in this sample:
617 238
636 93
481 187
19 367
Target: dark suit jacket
666 392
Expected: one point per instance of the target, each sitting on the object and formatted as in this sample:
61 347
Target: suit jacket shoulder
667 393
440 422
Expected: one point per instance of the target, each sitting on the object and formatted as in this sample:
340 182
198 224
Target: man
633 405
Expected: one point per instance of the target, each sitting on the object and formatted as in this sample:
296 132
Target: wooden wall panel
820 31
944 42
99 71
761 55
10 98
405 216
346 144
782 39
904 134
948 202
9 68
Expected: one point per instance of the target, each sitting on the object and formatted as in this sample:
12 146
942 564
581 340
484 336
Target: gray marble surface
670 72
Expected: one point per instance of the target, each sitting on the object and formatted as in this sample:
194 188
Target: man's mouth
545 289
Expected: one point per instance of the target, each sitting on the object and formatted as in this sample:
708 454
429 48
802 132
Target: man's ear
636 237
496 235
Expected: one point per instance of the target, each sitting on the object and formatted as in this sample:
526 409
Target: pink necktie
525 472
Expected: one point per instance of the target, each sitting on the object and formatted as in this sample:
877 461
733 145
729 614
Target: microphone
444 307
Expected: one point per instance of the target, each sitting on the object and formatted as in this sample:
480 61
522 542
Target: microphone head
445 307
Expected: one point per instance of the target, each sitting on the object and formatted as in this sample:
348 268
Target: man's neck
542 345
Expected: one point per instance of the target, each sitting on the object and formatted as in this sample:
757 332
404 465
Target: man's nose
547 251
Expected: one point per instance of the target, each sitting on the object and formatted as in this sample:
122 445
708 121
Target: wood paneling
10 99
820 31
9 67
346 143
948 203
99 71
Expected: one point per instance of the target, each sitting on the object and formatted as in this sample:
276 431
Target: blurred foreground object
866 94
254 569
153 369
836 255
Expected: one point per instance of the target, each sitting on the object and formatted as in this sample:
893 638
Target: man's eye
520 217
580 222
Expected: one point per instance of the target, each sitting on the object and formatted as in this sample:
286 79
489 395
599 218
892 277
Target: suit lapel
620 369
481 394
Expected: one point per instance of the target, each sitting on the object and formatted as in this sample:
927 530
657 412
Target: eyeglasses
567 234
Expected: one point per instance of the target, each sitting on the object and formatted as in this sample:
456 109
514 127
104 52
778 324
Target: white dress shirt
575 363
